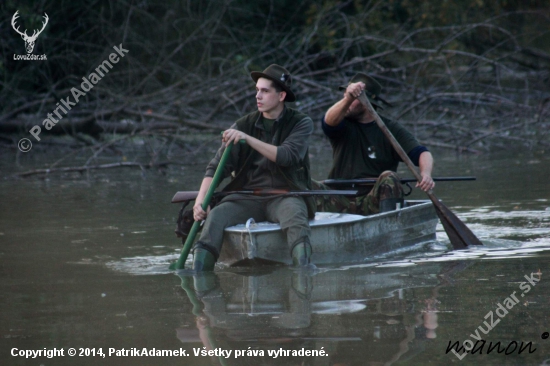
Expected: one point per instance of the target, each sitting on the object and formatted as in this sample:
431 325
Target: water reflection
378 316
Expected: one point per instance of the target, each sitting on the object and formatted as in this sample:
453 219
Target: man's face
355 110
267 97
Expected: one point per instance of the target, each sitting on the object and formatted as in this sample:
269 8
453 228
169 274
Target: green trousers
289 212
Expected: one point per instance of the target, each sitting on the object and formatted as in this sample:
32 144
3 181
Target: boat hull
336 238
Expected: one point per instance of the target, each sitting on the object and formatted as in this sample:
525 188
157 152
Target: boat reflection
356 316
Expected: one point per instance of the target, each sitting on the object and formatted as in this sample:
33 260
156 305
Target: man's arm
294 147
336 113
198 213
419 154
426 163
289 153
234 136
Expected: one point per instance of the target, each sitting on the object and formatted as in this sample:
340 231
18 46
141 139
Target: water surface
84 264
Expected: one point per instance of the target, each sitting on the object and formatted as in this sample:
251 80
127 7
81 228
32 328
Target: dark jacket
296 171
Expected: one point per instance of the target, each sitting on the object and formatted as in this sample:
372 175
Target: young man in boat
360 150
275 156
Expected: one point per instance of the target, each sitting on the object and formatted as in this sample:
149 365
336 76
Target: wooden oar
182 196
195 228
459 234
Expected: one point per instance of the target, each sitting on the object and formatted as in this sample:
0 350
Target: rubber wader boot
205 282
390 204
203 260
301 254
302 284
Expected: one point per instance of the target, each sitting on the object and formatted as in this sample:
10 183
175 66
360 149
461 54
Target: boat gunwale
343 218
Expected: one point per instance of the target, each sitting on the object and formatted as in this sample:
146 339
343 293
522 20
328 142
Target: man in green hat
361 150
275 156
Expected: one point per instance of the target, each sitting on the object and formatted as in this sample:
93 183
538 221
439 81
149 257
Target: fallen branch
94 167
194 124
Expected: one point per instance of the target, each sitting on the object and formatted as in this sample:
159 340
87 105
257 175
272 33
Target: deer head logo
29 40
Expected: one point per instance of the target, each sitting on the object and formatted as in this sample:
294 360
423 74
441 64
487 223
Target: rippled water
84 265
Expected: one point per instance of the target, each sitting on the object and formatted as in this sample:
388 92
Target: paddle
459 234
182 196
195 228
209 341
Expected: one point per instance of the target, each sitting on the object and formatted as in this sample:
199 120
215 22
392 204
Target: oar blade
461 237
459 234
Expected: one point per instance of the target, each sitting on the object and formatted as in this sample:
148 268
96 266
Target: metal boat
336 238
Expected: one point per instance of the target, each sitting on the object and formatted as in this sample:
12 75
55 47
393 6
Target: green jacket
296 175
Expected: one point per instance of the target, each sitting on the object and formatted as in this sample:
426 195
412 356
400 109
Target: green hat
372 88
278 75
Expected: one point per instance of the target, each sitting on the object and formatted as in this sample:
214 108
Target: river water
84 262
